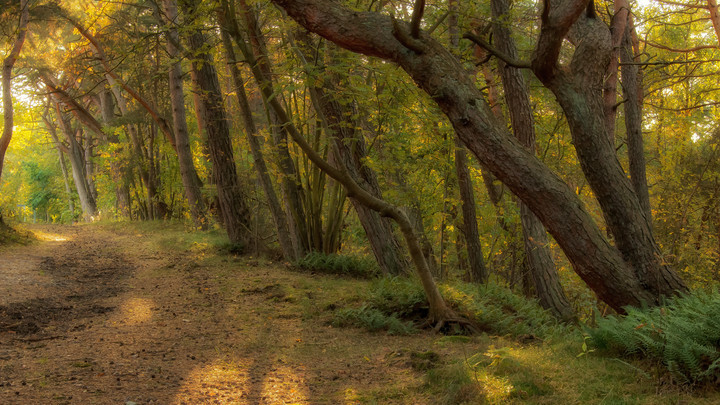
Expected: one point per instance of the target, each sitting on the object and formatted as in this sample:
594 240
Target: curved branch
417 15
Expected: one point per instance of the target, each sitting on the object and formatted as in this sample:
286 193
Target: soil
92 316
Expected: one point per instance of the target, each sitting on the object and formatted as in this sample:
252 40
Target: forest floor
119 314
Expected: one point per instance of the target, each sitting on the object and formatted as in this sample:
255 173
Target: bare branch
406 38
494 52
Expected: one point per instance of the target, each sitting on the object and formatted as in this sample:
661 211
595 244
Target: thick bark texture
630 278
7 68
231 196
539 259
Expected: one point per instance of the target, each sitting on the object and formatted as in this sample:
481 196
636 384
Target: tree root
452 324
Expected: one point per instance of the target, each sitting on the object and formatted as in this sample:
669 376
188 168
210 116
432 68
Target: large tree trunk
182 137
231 196
7 68
537 251
254 140
628 278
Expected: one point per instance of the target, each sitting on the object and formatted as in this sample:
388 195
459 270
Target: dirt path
97 317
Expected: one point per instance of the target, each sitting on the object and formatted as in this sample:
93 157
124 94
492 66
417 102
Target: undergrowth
496 309
683 335
343 265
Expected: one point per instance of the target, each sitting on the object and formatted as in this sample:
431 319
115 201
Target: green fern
683 334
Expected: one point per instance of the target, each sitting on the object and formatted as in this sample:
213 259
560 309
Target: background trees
111 89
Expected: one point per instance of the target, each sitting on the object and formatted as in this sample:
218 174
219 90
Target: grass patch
10 236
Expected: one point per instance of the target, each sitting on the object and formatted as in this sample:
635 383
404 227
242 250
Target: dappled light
341 202
133 311
236 382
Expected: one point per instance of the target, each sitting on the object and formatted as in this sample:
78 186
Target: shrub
683 334
343 265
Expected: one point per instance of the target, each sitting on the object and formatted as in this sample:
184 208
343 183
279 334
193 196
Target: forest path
96 316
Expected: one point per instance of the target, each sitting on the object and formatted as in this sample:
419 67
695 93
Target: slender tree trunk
77 162
539 259
632 92
231 196
8 64
254 140
290 185
182 137
63 166
349 143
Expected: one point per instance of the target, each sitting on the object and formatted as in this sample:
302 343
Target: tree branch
494 52
418 10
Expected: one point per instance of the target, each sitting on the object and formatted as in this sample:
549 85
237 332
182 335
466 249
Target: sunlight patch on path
50 237
238 383
134 311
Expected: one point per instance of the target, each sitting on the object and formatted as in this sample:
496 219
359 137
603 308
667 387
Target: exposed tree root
451 323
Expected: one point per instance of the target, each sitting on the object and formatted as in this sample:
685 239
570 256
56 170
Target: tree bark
254 140
630 278
231 196
290 185
8 64
539 259
632 93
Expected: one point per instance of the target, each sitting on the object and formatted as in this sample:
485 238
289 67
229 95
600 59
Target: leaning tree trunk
628 278
231 196
632 92
290 185
8 64
349 144
545 277
254 140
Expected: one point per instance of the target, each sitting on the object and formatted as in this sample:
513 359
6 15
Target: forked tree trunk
629 278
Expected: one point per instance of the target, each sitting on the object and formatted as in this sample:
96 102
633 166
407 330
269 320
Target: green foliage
683 334
344 265
499 311
388 300
373 320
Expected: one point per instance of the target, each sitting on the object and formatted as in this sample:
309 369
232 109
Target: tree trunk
254 140
477 270
233 203
539 259
630 278
7 68
632 92
291 188
349 143
182 137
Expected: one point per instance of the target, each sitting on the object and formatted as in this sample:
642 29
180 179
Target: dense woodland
566 150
